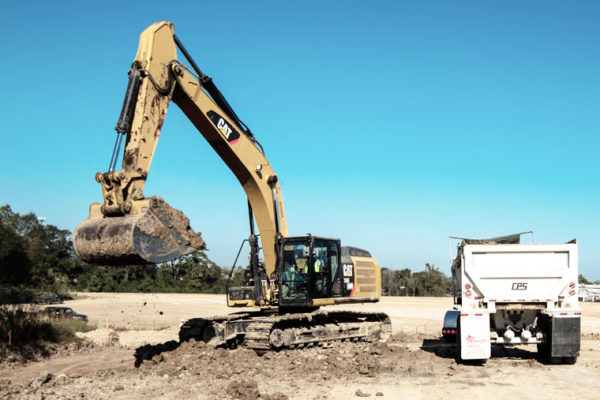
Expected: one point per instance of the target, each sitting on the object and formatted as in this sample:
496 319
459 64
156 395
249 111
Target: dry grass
22 325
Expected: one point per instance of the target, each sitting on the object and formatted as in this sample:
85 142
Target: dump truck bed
518 272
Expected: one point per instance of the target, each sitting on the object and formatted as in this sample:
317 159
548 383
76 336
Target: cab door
294 272
324 264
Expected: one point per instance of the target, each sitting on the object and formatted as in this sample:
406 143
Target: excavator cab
307 267
308 274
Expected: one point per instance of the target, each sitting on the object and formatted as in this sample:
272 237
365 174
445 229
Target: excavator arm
130 228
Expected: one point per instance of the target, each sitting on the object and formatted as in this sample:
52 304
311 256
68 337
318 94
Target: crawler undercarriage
273 331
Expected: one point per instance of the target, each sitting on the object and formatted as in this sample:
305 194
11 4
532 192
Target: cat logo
348 269
224 128
230 134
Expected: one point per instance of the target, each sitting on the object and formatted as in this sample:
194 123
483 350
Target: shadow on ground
443 349
148 351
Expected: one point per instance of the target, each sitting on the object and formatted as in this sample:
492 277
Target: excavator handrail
233 268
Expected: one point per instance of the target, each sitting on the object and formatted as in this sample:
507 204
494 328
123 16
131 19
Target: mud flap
474 336
565 337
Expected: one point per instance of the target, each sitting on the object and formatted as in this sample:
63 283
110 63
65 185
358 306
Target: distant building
589 292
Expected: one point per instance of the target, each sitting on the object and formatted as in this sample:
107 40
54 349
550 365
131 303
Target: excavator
281 294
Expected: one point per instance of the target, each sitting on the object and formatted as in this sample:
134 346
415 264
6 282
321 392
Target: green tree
430 282
386 281
405 282
50 261
38 255
15 266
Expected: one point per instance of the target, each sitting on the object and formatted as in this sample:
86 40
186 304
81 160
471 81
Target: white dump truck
507 293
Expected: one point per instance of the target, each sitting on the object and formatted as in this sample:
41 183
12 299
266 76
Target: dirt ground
413 364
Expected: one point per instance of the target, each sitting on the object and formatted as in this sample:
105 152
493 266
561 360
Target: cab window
324 267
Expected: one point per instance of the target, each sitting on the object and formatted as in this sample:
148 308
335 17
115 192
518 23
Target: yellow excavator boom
129 228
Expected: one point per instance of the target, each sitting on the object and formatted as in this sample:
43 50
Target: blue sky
391 125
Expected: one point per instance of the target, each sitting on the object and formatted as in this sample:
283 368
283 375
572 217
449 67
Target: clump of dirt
175 221
247 389
243 389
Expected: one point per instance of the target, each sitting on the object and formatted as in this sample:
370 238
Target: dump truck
510 293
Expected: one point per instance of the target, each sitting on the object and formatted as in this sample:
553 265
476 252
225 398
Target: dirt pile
337 361
235 373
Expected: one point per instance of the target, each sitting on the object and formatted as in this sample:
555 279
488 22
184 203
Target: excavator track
263 332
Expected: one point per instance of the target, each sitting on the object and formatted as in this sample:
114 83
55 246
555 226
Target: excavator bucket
158 233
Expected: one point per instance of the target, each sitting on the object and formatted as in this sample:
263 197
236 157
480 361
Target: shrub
24 325
10 294
28 328
73 325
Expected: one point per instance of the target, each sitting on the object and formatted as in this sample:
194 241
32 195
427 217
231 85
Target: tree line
583 280
36 256
429 282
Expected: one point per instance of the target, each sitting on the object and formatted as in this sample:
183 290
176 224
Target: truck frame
510 293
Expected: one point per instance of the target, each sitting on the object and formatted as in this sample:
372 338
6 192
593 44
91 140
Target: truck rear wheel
543 350
543 323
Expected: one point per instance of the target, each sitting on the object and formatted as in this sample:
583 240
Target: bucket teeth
158 234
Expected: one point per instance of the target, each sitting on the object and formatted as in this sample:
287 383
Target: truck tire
544 348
